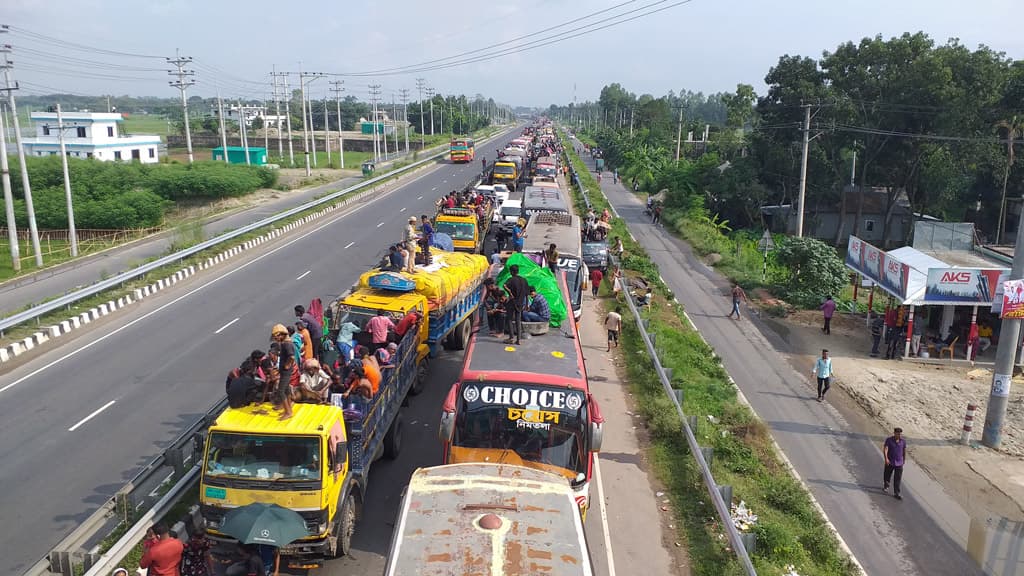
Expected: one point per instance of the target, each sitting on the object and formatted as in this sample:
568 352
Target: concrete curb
778 450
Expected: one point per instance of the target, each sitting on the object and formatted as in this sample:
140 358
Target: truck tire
393 439
346 525
461 335
420 383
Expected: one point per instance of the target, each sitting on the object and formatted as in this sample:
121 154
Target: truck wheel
461 335
393 439
421 377
346 525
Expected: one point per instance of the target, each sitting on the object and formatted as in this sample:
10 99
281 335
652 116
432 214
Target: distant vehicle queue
308 417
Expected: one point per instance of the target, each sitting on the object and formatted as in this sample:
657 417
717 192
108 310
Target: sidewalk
839 462
640 540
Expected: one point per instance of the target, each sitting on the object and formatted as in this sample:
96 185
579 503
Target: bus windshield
263 457
541 424
457 230
504 169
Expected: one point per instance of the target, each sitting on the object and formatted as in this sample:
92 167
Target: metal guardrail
181 457
68 299
718 493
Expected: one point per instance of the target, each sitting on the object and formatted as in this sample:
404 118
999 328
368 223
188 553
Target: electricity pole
12 228
182 83
430 94
1002 373
803 171
405 113
374 91
10 88
327 132
305 121
394 120
223 130
241 129
337 88
277 112
288 117
420 85
679 134
67 183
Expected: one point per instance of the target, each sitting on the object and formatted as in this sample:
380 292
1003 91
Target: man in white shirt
613 324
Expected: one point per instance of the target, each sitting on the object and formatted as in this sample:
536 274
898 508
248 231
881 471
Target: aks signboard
895 276
961 285
854 252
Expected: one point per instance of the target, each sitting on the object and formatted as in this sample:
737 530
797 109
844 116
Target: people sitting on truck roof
539 311
269 372
243 388
314 382
395 262
449 201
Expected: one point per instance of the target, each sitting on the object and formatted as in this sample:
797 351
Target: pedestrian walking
827 310
894 450
737 295
596 276
613 324
656 218
823 372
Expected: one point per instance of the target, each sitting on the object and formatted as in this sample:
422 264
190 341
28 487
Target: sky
108 47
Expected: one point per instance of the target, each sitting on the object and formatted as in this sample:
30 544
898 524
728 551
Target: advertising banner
871 263
961 285
854 252
1013 299
896 276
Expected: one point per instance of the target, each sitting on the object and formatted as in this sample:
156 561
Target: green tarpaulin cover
540 278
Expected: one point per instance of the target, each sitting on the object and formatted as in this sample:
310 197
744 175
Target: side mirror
596 436
447 429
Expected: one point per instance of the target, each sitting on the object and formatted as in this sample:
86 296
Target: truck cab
505 172
465 228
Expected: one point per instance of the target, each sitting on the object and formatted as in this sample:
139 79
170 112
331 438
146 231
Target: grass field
145 124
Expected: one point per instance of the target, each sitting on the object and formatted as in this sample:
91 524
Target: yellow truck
465 227
487 518
505 172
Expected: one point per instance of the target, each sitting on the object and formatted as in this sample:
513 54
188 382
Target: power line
66 44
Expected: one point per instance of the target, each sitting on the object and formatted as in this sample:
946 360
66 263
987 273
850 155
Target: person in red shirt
408 321
164 557
596 276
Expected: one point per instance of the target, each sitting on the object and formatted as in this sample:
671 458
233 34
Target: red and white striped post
965 436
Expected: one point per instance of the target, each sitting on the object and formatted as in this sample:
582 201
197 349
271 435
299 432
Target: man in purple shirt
895 451
828 309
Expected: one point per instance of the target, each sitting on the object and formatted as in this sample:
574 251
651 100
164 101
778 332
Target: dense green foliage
114 195
813 271
928 122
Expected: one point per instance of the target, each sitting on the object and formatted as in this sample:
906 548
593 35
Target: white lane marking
419 197
435 187
604 517
225 327
304 274
93 415
163 307
347 246
403 207
380 224
442 182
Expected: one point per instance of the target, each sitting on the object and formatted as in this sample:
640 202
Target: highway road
838 458
77 421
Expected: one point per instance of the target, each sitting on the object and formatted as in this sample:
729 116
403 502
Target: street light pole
12 228
803 171
67 183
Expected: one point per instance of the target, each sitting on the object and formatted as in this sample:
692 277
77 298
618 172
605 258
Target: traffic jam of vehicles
496 276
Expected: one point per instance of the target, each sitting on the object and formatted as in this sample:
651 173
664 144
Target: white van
509 213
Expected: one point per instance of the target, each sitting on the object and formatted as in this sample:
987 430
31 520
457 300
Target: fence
57 242
721 495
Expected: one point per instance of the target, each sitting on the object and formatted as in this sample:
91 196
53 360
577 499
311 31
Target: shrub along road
841 465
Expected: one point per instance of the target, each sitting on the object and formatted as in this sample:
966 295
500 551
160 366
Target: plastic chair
950 348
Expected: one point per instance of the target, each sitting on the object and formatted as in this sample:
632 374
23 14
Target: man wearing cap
894 450
410 244
426 238
286 366
823 372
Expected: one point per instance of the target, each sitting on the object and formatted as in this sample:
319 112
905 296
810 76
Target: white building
91 135
251 113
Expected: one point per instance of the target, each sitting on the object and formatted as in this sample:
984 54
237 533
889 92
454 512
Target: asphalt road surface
839 462
78 420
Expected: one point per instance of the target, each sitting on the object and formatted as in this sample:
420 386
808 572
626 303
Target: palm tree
1014 128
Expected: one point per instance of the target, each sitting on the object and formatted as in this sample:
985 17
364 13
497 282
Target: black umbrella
260 523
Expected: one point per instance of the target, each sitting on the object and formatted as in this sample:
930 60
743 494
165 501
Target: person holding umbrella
250 564
263 524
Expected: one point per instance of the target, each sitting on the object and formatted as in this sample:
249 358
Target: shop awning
918 262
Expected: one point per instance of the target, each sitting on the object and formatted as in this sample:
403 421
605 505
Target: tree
740 106
813 270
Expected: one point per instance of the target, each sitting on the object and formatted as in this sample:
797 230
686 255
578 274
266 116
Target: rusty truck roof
488 520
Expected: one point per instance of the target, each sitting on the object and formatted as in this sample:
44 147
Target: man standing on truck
410 245
286 365
517 289
426 237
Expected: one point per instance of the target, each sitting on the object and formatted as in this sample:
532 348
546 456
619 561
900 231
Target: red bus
527 405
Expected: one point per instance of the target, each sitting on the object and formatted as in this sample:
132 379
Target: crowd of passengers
303 365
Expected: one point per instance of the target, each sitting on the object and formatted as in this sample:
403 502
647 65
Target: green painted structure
236 155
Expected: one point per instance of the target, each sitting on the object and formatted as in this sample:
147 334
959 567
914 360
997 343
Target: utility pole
223 130
242 131
277 113
631 114
374 92
312 126
405 114
394 120
306 121
420 85
803 171
443 103
679 134
1002 373
182 83
12 227
266 129
288 117
67 183
337 88
327 132
430 94
10 88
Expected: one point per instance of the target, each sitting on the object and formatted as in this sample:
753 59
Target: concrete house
91 135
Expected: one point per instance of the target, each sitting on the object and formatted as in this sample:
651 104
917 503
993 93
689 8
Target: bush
814 271
776 543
